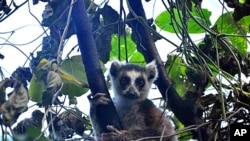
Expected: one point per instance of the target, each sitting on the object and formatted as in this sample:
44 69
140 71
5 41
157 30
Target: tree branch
147 47
106 114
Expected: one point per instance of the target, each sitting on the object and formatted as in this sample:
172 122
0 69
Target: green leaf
226 25
242 1
244 23
35 133
71 73
73 76
36 89
182 136
136 57
163 21
176 70
36 83
166 22
133 54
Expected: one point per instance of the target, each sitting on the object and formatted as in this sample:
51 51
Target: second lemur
139 116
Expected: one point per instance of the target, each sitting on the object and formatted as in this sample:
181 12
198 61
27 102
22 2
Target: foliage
127 49
239 28
219 62
16 103
73 76
222 54
30 127
172 21
177 71
51 77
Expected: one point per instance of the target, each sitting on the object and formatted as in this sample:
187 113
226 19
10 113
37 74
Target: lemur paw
113 129
99 99
114 133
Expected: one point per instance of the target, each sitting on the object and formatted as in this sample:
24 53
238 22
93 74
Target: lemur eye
124 81
140 82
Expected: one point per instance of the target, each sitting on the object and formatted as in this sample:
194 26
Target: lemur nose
131 95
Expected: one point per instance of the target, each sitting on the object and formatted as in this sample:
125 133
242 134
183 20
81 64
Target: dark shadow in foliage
73 119
66 124
16 103
103 29
22 74
29 129
55 17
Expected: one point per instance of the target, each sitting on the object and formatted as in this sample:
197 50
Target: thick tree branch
106 114
147 47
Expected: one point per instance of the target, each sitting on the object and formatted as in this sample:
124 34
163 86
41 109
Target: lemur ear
115 67
151 69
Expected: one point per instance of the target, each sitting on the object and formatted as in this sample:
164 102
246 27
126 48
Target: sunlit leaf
226 25
244 23
133 54
242 1
136 57
166 22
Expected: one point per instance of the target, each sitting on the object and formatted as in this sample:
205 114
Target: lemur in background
139 116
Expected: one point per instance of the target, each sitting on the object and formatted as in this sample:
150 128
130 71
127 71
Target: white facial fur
130 82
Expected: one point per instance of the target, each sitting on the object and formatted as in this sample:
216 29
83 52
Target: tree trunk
106 113
147 47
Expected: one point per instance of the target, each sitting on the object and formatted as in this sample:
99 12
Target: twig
60 47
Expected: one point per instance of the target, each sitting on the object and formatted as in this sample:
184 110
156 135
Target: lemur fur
139 116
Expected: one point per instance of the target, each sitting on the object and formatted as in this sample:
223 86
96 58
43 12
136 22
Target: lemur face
132 81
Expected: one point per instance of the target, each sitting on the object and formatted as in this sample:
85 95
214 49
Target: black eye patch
124 81
140 82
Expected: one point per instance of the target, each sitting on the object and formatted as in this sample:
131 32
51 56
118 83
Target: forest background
199 50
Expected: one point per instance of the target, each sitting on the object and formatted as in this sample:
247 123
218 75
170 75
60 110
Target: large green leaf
73 76
244 23
226 25
133 54
166 22
176 70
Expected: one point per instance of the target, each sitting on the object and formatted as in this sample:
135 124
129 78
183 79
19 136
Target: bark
147 47
97 84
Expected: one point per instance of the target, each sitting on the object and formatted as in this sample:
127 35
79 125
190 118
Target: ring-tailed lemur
139 116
